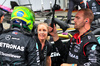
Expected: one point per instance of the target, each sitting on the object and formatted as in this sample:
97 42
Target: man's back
17 49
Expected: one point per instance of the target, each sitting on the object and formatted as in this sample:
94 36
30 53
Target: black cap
1 13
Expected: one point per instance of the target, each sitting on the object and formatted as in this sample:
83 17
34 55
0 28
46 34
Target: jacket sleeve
62 48
33 56
93 55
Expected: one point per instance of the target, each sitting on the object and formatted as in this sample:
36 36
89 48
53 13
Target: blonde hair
43 24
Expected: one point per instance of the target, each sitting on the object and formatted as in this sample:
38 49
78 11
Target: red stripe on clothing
87 4
83 48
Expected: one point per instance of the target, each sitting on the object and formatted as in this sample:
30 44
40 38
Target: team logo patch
15 32
8 37
93 47
98 38
89 37
93 4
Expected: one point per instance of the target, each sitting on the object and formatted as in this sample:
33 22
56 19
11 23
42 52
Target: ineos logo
8 37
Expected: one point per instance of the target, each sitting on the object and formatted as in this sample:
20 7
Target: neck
83 30
42 41
43 44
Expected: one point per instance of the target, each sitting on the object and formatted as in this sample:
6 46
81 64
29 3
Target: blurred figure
72 3
94 5
17 47
44 45
1 20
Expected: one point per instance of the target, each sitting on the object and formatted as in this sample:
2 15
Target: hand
66 64
53 33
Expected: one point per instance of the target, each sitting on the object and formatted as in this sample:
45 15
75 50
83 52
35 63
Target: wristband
73 64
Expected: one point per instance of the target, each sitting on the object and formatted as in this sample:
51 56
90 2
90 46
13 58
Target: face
2 18
42 32
79 20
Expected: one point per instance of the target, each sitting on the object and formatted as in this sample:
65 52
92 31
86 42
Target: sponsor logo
72 55
38 57
89 37
9 55
11 46
54 54
8 37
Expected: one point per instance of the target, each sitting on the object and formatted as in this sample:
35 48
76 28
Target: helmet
25 14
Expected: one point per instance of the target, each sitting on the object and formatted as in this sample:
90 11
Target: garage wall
36 4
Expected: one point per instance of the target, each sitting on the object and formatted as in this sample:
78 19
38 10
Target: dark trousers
72 3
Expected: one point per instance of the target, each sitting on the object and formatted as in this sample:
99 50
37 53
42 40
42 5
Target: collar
78 39
85 33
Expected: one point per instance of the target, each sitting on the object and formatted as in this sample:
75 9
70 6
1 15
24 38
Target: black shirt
45 52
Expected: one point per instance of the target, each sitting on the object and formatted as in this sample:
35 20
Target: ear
87 20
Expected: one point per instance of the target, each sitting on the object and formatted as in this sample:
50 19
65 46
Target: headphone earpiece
86 21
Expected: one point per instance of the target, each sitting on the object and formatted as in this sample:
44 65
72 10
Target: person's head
83 18
42 30
1 16
23 15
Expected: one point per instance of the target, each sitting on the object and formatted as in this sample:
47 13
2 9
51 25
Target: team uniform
45 52
82 51
17 49
72 3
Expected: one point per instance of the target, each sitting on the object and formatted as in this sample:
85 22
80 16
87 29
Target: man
17 47
94 5
72 3
1 19
83 48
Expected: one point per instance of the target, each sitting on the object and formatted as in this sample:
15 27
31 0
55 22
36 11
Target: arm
65 64
62 48
93 55
53 33
48 61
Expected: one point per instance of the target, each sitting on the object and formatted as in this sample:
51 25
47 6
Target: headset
86 20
